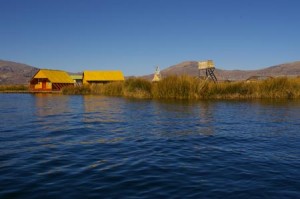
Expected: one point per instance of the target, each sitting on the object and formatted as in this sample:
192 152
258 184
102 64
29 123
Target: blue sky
136 35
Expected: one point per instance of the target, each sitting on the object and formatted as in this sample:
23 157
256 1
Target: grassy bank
186 87
5 88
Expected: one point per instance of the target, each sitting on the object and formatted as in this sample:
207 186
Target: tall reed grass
137 87
110 89
186 87
76 90
133 87
177 87
13 88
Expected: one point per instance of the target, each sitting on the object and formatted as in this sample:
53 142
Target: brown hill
191 68
15 73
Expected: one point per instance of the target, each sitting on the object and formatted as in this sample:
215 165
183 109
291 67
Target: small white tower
157 75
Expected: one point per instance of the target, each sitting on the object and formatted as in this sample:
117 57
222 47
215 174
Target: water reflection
176 107
184 117
278 114
206 118
113 147
48 104
162 118
101 110
16 109
276 103
52 110
104 115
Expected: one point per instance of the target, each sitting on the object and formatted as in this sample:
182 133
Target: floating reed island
187 87
14 88
205 86
182 87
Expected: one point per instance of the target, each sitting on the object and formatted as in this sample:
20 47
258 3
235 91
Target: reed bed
110 89
76 90
134 87
13 88
137 87
186 87
177 87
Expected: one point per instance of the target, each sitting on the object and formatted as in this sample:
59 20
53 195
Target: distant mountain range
15 73
191 68
18 73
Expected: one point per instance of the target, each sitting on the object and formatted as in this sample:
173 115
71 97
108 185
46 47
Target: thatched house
50 80
77 79
258 78
94 77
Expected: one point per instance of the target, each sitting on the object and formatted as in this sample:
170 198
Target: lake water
57 146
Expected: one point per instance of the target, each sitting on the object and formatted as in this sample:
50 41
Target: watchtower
209 68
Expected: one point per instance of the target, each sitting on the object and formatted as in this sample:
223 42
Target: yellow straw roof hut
46 79
102 76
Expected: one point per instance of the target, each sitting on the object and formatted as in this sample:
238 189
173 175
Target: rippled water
56 146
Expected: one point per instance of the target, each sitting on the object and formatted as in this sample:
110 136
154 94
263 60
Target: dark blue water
55 146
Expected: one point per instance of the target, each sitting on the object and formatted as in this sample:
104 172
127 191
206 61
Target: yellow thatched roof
54 76
76 77
103 76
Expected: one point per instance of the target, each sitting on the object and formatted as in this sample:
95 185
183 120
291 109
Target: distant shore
21 89
31 92
182 87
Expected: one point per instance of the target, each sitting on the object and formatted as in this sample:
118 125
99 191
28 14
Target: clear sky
136 35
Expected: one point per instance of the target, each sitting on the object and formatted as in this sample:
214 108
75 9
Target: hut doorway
43 85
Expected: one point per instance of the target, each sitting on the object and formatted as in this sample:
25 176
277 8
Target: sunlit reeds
282 87
13 88
77 90
177 87
137 87
109 89
186 87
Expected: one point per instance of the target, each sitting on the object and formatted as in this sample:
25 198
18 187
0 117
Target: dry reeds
186 87
13 88
177 87
137 87
109 89
77 90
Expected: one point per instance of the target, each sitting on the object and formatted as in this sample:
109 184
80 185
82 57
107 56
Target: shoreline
219 97
181 87
31 92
